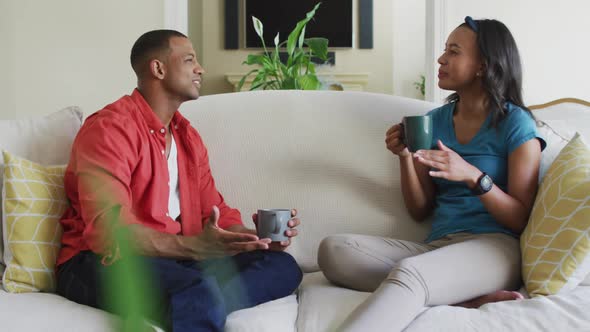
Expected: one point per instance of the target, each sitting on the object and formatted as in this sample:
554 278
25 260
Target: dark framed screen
333 20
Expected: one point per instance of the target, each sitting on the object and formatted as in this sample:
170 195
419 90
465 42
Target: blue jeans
193 296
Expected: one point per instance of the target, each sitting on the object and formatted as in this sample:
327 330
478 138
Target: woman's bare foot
497 296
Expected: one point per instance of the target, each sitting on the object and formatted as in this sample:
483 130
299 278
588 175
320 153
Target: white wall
75 52
409 21
206 21
69 52
552 37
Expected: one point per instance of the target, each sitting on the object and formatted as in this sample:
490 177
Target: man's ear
157 68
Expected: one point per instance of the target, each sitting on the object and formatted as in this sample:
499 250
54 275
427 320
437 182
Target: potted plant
298 71
421 85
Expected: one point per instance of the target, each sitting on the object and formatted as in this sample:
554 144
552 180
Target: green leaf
270 85
299 62
294 35
243 80
293 71
254 59
257 26
293 59
268 64
275 57
288 84
306 63
284 70
318 47
301 38
125 293
308 82
260 78
311 68
311 13
257 86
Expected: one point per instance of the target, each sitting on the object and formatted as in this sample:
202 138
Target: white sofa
323 153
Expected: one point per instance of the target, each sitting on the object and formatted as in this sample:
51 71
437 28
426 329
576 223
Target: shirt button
163 131
167 215
151 131
175 127
163 151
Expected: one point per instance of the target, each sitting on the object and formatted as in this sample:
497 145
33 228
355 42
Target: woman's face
460 64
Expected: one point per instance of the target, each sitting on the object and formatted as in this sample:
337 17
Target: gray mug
418 132
272 224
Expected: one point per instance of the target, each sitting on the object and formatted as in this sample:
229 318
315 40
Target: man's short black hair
149 44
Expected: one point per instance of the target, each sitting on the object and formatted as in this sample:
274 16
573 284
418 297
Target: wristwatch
483 185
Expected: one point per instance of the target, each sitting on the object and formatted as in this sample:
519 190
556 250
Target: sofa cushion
556 242
324 306
273 316
562 312
50 312
33 202
46 140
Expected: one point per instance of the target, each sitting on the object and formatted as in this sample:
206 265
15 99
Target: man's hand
215 242
290 233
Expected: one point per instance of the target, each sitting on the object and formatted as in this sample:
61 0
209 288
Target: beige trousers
406 276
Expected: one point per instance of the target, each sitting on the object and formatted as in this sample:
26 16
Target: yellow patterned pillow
33 202
556 242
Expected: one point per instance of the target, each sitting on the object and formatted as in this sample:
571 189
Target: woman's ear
157 69
482 69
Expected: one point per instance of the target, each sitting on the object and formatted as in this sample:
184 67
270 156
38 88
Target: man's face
183 72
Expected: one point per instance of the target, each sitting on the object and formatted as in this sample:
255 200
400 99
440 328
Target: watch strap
479 189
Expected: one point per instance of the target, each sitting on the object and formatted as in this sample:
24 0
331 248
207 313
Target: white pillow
46 140
556 134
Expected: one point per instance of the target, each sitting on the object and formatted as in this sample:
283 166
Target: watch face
486 183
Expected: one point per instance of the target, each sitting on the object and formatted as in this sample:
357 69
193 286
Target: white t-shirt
174 195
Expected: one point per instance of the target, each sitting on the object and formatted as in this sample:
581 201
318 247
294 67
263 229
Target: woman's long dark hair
502 77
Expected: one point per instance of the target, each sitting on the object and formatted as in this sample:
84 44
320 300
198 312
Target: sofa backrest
322 152
567 115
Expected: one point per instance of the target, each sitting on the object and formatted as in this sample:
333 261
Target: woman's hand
448 165
394 141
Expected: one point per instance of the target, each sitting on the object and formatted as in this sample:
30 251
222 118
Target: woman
479 183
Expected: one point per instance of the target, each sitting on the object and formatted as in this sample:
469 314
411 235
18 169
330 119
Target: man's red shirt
118 158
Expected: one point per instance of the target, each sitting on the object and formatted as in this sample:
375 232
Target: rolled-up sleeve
104 161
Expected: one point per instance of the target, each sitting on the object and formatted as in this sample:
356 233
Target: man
138 161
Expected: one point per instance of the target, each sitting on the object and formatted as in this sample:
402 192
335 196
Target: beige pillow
46 140
34 201
556 242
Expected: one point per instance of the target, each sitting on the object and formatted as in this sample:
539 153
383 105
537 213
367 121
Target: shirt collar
150 116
